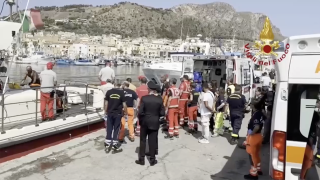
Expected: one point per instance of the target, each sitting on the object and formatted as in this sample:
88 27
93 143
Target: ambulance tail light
278 154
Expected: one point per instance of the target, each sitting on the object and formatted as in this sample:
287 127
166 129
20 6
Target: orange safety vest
174 102
185 90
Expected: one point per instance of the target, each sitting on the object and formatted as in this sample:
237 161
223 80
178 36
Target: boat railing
16 117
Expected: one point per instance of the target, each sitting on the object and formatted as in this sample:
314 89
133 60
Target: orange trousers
45 101
253 147
173 121
192 111
130 111
183 111
307 162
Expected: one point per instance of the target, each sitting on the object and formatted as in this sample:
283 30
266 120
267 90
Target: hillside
215 20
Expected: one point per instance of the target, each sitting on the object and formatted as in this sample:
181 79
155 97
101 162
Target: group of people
46 80
181 107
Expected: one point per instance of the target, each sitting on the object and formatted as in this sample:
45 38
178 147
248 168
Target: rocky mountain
215 20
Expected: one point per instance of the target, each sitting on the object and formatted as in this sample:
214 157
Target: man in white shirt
106 87
266 82
106 73
206 110
48 79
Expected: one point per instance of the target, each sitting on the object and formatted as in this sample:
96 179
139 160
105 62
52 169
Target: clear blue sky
293 17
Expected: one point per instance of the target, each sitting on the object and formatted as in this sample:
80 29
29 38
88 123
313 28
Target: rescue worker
172 109
115 108
193 109
163 92
220 109
272 76
150 110
230 90
131 101
236 103
33 75
254 141
269 99
184 97
142 90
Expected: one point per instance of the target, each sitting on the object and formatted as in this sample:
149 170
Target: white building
78 50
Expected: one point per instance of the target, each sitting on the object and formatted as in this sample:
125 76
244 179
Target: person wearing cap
131 86
48 79
131 101
183 101
150 110
142 90
106 73
33 75
115 109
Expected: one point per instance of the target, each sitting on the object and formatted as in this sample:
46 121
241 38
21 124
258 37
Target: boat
37 57
64 62
82 110
87 62
179 62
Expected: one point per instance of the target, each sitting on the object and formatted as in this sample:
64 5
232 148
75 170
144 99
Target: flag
32 21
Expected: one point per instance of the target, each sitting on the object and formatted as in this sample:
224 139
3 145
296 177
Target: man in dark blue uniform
115 108
236 103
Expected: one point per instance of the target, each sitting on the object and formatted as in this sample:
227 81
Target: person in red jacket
141 91
183 101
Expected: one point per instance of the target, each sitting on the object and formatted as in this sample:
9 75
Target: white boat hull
85 64
42 61
156 71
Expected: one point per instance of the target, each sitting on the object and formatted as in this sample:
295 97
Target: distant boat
87 62
64 62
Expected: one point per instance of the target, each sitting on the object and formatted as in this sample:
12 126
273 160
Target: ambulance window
246 76
302 114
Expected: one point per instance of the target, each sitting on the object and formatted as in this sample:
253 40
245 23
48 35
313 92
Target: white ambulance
221 68
294 112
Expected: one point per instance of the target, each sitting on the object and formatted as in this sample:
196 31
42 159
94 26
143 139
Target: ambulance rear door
245 79
302 113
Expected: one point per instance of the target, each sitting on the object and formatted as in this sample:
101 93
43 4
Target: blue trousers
113 128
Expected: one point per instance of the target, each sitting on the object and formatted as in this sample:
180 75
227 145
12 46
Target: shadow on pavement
238 164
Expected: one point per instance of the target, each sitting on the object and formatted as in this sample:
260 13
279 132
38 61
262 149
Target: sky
293 18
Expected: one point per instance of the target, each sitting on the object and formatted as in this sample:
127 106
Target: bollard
2 118
37 91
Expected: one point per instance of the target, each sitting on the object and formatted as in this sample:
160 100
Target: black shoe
250 177
131 139
116 148
176 136
234 141
154 162
108 148
260 173
142 163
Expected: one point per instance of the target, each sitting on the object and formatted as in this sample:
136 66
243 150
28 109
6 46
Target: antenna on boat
11 3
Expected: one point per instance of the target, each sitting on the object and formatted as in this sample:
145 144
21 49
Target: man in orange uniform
172 109
142 90
184 97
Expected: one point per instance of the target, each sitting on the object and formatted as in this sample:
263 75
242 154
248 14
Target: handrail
55 99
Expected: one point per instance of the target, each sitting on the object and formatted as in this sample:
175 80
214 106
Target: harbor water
86 74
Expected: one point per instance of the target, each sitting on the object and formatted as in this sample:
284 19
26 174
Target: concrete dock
179 159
